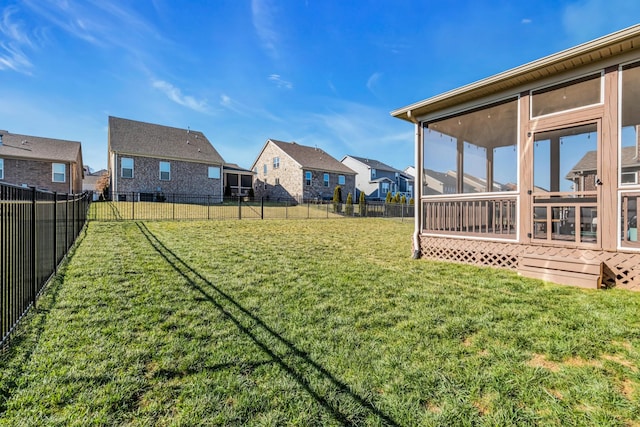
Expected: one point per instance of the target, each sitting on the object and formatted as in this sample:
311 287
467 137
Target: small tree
337 198
411 202
102 186
403 199
388 199
396 198
362 203
349 206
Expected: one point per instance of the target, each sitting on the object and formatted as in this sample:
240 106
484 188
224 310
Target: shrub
337 199
403 199
349 206
362 203
396 198
388 198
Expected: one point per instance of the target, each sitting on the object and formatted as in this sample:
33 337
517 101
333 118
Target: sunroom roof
596 50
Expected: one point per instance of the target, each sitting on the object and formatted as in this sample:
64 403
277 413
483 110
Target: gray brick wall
186 178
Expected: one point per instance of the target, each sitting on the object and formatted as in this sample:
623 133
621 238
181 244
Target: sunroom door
566 178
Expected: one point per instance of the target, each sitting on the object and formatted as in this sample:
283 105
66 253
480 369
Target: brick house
149 161
288 170
376 179
46 163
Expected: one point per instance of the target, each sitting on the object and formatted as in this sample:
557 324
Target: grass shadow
301 364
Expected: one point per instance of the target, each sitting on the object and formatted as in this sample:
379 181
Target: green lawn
312 322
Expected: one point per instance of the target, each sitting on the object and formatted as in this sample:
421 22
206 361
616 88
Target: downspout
417 205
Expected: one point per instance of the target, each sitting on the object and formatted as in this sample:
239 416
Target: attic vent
188 129
187 141
198 150
24 141
0 139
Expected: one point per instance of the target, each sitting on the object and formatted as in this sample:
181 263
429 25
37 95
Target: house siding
186 177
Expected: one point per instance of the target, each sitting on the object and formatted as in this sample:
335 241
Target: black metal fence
147 206
37 228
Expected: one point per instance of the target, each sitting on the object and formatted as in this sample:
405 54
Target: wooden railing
494 216
566 216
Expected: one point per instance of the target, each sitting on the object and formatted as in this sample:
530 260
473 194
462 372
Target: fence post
208 210
34 279
308 209
133 202
239 207
66 223
173 206
55 232
262 208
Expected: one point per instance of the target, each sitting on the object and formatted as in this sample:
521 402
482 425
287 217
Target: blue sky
322 73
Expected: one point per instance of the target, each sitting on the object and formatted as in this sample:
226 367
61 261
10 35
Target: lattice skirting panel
621 269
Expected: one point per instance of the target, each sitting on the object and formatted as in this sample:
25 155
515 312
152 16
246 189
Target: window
59 172
307 178
214 172
126 165
326 179
566 96
277 181
245 180
458 151
630 125
1 168
165 171
341 180
276 162
373 173
628 178
264 169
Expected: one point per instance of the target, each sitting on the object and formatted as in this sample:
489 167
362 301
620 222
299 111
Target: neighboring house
151 162
375 179
562 134
238 180
584 175
90 181
287 170
45 163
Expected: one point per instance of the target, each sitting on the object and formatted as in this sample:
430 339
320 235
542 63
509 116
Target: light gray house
290 171
45 163
149 162
375 179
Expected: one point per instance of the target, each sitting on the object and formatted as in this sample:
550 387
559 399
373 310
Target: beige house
45 163
152 162
562 136
290 171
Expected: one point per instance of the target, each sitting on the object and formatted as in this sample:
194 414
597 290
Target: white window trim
122 168
309 180
1 168
54 173
326 179
341 180
276 162
166 171
212 168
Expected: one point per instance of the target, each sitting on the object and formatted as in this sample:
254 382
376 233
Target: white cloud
373 81
526 21
14 40
589 19
280 82
175 94
263 21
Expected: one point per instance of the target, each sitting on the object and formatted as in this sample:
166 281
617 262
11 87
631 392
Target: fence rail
137 206
37 228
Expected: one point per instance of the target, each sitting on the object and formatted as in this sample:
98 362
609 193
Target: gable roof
588 162
374 164
158 141
38 148
312 157
591 52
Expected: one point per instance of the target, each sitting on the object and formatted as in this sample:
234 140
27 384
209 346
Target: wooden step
585 273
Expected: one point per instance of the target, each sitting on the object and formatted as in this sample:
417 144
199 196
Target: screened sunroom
536 169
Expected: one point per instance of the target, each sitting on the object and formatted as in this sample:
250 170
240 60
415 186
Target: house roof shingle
375 164
38 148
158 141
312 157
588 162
